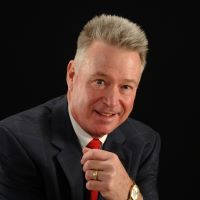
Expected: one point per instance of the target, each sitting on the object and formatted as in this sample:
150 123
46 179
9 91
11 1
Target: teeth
106 114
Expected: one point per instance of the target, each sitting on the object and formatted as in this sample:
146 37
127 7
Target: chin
100 132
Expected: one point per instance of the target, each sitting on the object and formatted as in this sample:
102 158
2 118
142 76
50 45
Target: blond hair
114 30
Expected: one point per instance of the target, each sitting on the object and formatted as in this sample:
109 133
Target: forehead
107 59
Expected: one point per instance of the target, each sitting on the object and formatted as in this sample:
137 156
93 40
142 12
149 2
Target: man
44 152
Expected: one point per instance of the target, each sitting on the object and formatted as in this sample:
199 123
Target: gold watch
134 193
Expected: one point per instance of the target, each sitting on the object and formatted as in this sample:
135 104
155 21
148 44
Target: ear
70 74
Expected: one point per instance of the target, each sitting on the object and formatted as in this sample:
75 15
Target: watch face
135 192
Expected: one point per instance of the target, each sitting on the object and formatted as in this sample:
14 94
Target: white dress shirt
83 137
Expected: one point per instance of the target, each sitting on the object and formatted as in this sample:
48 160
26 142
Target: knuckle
90 185
93 152
108 186
86 165
111 176
112 168
114 156
87 176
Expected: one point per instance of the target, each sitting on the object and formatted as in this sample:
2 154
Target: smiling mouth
106 114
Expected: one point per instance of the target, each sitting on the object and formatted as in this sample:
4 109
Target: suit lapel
116 143
69 159
69 155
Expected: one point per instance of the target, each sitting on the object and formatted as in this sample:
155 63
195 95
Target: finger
94 164
85 149
96 154
89 175
95 185
101 175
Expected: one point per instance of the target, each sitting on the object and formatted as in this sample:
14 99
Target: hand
113 181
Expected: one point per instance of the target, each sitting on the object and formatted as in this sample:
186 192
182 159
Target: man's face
101 91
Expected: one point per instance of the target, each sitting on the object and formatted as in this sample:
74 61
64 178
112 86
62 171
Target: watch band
134 192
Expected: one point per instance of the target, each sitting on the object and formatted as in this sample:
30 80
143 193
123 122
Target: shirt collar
83 137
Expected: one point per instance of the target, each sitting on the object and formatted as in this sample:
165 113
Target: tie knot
94 144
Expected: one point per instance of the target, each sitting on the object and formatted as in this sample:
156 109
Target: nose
112 96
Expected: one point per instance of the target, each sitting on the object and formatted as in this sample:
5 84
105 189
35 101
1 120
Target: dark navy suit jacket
40 155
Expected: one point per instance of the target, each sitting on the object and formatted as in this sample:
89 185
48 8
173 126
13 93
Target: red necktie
94 144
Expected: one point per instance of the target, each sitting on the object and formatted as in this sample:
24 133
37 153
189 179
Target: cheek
128 103
83 97
75 95
93 95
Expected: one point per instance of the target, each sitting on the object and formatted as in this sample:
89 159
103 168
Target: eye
126 87
100 82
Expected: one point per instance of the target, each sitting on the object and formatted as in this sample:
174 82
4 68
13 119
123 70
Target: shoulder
142 140
138 131
33 119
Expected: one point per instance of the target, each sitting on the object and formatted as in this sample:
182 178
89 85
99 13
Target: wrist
134 192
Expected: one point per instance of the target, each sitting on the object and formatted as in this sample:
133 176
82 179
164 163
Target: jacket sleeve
19 178
147 177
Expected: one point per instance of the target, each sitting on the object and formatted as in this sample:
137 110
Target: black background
39 38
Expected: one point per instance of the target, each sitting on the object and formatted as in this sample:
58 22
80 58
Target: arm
148 172
113 181
18 174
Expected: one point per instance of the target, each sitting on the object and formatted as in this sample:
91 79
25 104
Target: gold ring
95 174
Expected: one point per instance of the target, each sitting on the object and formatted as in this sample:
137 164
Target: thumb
85 149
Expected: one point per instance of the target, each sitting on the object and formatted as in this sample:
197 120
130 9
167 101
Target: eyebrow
106 76
100 74
130 81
